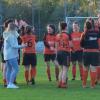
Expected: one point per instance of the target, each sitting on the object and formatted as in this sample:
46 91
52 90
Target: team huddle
60 48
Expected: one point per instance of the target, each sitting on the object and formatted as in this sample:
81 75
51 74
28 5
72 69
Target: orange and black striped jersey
31 42
90 40
62 41
49 41
76 38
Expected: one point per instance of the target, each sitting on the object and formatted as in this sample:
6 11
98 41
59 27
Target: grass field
44 90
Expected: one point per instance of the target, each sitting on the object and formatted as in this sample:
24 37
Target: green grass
44 90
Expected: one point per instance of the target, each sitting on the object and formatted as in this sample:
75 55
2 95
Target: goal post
79 19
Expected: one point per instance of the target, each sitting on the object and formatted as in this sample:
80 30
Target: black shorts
77 56
29 59
91 58
49 57
63 58
2 58
99 59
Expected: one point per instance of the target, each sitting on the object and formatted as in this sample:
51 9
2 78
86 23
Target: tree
42 12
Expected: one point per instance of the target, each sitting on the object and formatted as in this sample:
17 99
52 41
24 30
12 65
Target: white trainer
12 86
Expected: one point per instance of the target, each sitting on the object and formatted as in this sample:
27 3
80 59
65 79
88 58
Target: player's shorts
29 59
77 56
49 57
99 59
91 58
63 58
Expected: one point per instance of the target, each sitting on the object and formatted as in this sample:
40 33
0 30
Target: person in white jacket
11 54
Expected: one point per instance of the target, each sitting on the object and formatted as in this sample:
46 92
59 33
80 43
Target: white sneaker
12 86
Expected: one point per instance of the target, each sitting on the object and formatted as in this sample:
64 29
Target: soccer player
90 42
63 54
77 52
29 55
11 54
3 67
97 29
49 50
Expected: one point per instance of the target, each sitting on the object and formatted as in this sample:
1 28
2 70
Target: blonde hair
11 29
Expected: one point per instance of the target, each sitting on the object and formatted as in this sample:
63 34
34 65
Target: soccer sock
98 73
81 70
27 75
84 79
57 72
48 73
33 72
74 71
93 78
63 85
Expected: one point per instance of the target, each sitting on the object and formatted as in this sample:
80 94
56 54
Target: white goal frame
77 18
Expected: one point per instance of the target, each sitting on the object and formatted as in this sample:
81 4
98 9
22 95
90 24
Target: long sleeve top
11 45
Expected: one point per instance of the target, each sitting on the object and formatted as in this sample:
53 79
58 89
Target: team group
62 49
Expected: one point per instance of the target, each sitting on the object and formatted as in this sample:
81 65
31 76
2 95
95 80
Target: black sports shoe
96 82
15 82
73 78
50 79
5 85
33 81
